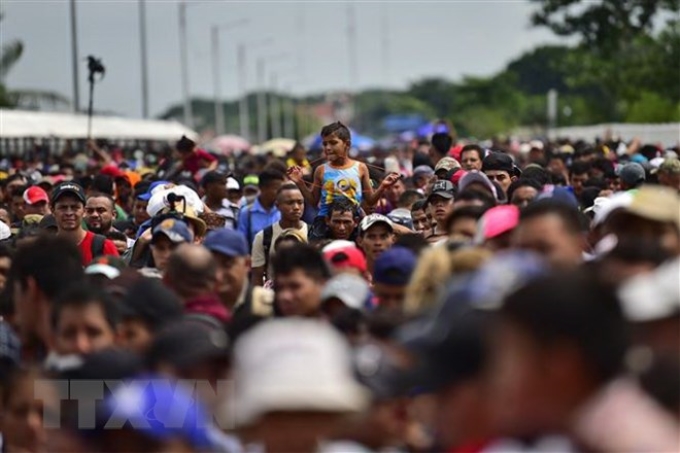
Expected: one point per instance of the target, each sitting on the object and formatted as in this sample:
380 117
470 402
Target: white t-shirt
258 258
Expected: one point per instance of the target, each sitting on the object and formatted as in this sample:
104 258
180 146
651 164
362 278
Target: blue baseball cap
160 409
231 243
175 230
394 266
560 194
147 196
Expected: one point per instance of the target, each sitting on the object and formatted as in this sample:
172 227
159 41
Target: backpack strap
267 235
250 225
97 248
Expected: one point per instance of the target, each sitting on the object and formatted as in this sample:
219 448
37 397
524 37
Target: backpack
97 247
267 235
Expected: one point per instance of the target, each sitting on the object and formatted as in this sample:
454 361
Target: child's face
334 148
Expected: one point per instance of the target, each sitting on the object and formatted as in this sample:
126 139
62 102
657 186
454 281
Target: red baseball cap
345 257
35 194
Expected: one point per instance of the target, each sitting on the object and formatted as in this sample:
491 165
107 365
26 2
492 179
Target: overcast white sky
446 39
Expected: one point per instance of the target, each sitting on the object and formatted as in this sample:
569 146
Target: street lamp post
143 56
220 127
184 63
244 110
74 56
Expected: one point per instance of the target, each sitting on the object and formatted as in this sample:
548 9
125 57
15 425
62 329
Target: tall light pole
288 113
275 107
261 102
220 127
244 110
184 63
143 56
74 57
262 97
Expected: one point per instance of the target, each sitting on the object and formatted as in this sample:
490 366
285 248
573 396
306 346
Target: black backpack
98 245
267 235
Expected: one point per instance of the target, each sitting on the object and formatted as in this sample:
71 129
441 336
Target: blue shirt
254 218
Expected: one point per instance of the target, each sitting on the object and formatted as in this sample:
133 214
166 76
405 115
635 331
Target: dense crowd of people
442 296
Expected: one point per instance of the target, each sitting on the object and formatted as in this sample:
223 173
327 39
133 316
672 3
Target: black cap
188 342
153 303
47 222
443 189
213 177
107 364
68 187
501 162
498 161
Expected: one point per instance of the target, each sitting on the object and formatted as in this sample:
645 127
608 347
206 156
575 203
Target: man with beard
100 213
68 205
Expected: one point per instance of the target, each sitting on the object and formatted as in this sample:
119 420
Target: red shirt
193 162
86 248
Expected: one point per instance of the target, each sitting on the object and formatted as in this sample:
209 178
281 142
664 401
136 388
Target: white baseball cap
653 296
232 184
291 365
159 199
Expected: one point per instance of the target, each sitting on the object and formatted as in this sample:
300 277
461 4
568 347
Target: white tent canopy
29 124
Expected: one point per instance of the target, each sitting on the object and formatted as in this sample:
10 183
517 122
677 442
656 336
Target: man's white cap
5 231
159 199
232 184
603 207
292 365
654 296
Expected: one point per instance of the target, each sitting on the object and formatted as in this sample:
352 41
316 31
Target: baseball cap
350 289
401 216
657 203
670 165
653 296
632 173
47 222
230 243
187 342
558 194
147 196
35 194
443 189
498 161
175 230
108 266
232 184
291 365
212 177
68 187
447 163
346 256
474 176
604 207
394 266
251 180
152 302
5 231
423 170
374 219
496 221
